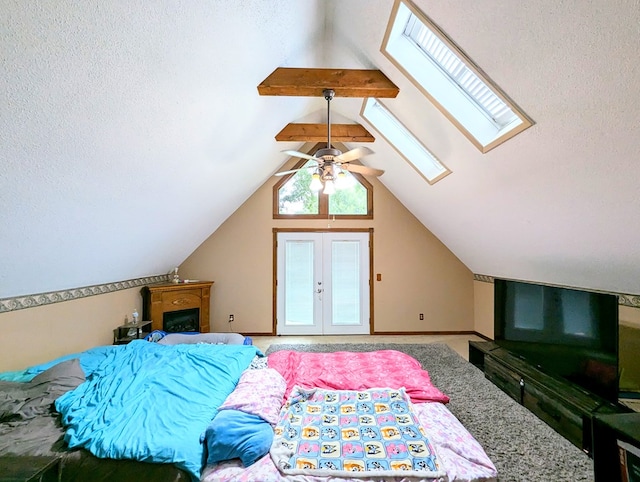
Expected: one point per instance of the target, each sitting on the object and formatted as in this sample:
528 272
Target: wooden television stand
566 407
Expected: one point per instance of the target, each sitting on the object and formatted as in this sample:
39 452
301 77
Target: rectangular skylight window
453 66
403 141
456 86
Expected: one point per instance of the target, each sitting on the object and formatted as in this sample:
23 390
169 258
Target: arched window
293 198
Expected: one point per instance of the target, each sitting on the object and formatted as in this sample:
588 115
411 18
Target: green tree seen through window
352 200
295 197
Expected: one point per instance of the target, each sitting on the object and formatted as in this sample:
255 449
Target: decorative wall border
632 301
40 299
629 300
483 277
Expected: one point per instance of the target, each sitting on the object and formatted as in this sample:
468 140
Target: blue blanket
151 402
89 360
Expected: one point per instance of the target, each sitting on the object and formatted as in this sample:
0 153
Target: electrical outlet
231 318
422 316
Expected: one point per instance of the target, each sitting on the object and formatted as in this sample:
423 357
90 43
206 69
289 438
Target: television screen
567 332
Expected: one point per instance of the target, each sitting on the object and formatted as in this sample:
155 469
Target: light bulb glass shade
341 181
329 188
316 184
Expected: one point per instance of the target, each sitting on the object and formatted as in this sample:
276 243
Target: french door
322 283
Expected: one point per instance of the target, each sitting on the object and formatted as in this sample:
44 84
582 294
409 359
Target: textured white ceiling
121 124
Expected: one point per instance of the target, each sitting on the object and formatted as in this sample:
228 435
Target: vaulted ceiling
129 131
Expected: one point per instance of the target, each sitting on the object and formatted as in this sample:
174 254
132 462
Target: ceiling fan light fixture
316 183
329 187
341 180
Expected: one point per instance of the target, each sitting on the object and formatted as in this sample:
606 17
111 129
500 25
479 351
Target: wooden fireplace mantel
161 298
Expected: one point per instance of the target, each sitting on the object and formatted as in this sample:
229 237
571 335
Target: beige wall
483 308
419 274
36 335
630 316
629 348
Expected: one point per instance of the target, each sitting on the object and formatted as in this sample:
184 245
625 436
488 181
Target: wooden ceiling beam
318 133
312 82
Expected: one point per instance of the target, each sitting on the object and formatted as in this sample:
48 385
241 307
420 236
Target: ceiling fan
330 162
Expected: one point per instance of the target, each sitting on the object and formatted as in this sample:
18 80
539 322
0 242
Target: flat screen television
565 332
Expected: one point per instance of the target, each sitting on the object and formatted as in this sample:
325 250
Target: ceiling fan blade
301 155
368 171
284 173
353 154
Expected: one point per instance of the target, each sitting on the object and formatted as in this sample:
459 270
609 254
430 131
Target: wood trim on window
323 199
502 135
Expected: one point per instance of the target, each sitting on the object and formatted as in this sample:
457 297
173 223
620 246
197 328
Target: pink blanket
345 370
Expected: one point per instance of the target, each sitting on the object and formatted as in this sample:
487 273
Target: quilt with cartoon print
352 433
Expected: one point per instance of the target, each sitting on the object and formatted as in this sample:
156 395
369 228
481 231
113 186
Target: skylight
453 66
396 134
457 87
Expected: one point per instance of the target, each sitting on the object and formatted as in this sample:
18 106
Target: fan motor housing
328 153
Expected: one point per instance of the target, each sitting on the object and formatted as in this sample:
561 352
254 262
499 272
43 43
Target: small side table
30 469
132 331
607 430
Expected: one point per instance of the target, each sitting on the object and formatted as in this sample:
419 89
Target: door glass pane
345 278
298 307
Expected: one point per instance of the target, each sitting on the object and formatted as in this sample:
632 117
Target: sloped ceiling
129 131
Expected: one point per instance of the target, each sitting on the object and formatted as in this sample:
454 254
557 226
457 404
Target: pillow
62 377
212 338
89 359
22 401
155 336
259 392
237 435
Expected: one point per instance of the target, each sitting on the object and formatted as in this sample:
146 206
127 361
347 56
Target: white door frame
367 297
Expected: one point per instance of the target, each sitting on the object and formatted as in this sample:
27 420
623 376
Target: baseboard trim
484 337
391 333
462 332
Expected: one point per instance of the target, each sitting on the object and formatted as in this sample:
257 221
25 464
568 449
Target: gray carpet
522 447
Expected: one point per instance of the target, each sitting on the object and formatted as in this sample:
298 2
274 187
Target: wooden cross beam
318 133
312 82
